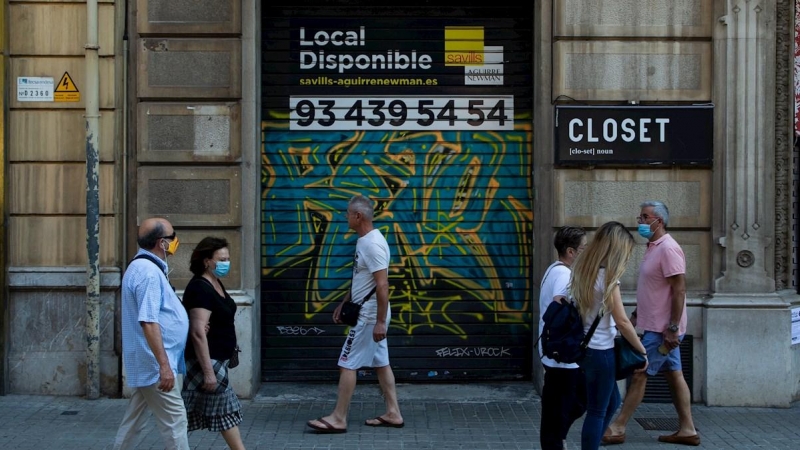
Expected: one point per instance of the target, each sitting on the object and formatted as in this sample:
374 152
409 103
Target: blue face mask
645 231
222 268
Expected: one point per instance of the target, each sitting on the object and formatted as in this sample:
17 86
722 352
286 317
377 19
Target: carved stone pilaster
745 45
784 98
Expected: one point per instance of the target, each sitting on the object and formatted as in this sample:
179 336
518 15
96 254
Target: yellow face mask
172 247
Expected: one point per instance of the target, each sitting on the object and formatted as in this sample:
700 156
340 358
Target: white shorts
360 350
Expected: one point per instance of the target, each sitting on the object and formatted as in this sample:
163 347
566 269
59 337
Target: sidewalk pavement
453 416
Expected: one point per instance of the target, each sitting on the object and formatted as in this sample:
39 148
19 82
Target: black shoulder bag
350 310
154 261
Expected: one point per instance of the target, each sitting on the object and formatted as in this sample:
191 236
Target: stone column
746 323
745 51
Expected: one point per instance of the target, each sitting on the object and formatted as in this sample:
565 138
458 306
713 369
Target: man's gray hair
659 209
363 205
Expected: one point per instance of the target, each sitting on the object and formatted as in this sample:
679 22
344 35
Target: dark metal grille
657 390
658 423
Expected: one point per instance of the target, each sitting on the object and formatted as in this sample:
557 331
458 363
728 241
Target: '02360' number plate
402 113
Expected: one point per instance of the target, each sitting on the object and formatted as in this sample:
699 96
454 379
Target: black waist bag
350 310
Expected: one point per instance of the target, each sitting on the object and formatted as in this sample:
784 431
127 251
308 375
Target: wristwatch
673 327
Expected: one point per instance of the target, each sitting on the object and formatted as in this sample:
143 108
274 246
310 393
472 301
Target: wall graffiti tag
299 331
472 351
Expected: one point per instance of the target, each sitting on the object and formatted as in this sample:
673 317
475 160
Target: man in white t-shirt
564 391
366 344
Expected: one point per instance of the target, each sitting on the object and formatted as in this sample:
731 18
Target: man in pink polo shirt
661 313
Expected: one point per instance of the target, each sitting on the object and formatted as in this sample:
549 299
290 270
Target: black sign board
634 135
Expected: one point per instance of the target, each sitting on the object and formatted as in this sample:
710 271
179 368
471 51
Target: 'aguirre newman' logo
483 64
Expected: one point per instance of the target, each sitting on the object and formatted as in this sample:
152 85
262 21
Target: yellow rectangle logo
463 46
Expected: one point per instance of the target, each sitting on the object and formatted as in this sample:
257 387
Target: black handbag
628 359
350 310
234 361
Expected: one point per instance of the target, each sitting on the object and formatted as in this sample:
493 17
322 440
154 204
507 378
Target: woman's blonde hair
611 249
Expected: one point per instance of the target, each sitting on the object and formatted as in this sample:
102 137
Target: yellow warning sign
66 91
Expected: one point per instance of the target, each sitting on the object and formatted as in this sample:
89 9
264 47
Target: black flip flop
327 428
384 423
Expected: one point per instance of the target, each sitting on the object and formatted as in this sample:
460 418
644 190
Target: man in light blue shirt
155 327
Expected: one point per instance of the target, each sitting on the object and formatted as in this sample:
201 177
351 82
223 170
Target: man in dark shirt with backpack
563 394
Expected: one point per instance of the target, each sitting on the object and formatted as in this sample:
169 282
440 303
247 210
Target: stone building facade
186 131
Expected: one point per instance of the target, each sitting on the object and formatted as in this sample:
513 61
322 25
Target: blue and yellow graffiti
455 207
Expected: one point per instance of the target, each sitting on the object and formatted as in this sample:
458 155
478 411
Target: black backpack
563 339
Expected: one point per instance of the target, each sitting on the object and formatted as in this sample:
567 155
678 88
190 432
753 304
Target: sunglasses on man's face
170 237
645 217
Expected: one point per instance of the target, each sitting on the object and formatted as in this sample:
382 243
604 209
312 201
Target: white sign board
435 112
795 326
35 89
490 72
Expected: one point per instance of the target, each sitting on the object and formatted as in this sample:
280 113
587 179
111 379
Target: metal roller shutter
427 110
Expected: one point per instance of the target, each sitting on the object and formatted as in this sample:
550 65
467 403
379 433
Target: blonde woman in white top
595 287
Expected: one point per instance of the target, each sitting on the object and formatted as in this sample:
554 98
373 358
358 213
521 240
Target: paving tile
442 421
